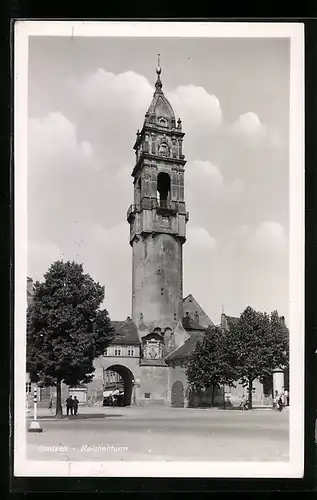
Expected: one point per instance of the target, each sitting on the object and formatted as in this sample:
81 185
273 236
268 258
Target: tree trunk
213 396
250 393
59 409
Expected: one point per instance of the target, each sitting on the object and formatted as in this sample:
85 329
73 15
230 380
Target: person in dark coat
280 404
75 402
70 405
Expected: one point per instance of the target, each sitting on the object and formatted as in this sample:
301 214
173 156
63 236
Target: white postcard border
294 31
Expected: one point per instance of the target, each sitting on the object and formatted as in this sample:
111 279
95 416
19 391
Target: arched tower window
163 188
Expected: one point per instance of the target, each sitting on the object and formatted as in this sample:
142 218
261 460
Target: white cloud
53 142
248 126
270 236
107 109
41 254
205 183
196 107
104 90
199 240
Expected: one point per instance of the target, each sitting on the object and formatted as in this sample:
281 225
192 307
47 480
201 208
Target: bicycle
244 405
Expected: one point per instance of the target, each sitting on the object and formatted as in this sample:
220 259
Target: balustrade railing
164 205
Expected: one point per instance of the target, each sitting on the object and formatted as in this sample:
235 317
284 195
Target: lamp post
35 426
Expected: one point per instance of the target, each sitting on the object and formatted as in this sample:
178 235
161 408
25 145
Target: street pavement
168 434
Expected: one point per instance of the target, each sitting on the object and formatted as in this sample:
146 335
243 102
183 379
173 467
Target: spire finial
222 309
158 83
158 69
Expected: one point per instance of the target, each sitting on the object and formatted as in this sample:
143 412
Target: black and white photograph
159 249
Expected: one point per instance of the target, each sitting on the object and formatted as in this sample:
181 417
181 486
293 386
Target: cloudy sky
87 98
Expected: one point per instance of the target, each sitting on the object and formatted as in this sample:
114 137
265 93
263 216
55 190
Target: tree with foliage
66 329
257 344
208 366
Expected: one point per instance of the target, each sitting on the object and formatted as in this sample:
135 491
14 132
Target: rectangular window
28 387
117 352
130 352
106 352
147 395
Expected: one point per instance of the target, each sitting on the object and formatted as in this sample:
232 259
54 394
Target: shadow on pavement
80 417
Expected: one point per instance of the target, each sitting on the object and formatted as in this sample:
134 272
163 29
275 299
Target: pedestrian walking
69 405
280 403
275 401
75 402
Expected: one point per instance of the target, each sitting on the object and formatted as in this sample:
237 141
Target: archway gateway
128 382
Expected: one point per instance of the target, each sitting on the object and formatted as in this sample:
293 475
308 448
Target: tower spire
158 83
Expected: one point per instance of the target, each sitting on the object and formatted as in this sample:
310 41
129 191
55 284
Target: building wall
123 351
153 385
111 377
177 373
239 393
128 365
157 281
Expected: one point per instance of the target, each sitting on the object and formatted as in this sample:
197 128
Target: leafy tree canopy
258 343
66 329
209 365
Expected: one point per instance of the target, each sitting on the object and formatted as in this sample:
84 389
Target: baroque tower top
160 117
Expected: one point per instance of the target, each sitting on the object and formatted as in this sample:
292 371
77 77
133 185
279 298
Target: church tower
158 217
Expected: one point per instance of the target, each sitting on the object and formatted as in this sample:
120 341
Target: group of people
72 405
113 400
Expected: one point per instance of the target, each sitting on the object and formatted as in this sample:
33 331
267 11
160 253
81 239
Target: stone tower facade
158 218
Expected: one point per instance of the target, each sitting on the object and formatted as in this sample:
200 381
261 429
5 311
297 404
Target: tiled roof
190 324
231 320
184 350
126 332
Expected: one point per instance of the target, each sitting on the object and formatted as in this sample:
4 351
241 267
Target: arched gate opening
124 383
